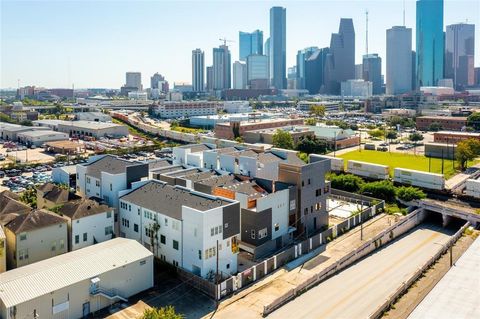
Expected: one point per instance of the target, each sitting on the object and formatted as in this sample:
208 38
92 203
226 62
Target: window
220 229
163 239
77 239
175 244
111 187
252 233
129 207
306 211
228 266
262 233
318 206
277 227
166 222
97 183
309 181
108 230
212 231
109 214
216 230
135 228
62 243
23 254
88 180
23 236
54 245
226 225
85 236
303 183
318 192
200 254
143 262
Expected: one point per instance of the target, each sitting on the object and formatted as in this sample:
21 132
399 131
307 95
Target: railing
111 294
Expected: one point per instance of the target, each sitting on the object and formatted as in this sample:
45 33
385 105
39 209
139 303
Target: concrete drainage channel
413 219
405 285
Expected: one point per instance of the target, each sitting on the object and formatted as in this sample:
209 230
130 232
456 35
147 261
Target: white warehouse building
187 228
75 284
37 138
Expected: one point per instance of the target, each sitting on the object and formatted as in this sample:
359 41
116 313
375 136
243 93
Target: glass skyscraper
459 54
302 57
278 47
250 43
222 64
372 71
430 42
198 70
399 60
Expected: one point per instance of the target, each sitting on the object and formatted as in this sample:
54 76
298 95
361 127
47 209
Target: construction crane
224 40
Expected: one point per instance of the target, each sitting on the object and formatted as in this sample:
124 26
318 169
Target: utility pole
451 257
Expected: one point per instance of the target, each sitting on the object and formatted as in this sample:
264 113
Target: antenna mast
366 34
403 12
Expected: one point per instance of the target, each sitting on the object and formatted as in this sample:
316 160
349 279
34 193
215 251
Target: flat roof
458 133
108 164
90 124
437 117
168 200
261 121
42 133
35 280
457 294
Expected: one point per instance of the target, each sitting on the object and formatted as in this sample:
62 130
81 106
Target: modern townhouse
50 195
191 155
35 236
188 229
88 222
107 175
312 192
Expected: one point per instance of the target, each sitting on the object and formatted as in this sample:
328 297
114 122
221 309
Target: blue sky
93 43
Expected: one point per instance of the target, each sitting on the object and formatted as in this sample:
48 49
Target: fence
207 287
412 220
405 285
269 265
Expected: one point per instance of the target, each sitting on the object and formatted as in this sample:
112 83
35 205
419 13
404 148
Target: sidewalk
249 302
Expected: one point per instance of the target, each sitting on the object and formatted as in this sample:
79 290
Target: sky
93 43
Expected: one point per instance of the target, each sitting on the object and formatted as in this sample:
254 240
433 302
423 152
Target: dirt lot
31 156
407 303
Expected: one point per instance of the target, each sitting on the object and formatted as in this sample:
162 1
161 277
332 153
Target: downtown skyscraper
198 70
459 55
278 47
222 65
430 42
372 71
302 57
250 43
399 60
340 65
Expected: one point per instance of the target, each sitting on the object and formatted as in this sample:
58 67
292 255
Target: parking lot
22 154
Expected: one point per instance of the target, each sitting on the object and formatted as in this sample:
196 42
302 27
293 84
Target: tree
310 144
467 150
29 197
167 312
282 139
391 135
435 127
317 110
346 182
409 193
239 140
376 133
310 121
474 120
381 189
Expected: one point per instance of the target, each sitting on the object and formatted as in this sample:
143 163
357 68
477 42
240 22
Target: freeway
357 291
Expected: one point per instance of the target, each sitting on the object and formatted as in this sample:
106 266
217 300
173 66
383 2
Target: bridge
449 209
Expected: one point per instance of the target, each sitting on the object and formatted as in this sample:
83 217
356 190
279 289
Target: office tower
359 71
266 49
250 43
399 60
278 48
341 59
158 85
209 72
459 55
257 71
372 72
414 70
302 57
155 79
477 77
239 75
315 71
221 68
430 42
356 88
292 78
133 80
198 70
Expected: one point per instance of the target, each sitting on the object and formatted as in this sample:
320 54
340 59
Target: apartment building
177 109
453 137
88 222
191 154
451 123
183 227
35 236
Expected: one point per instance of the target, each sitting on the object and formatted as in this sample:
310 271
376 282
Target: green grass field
401 160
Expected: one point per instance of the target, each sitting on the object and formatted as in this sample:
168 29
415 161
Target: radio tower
366 33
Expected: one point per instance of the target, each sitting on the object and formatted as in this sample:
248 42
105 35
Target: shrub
382 190
409 193
347 182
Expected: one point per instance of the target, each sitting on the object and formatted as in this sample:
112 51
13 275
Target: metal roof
32 281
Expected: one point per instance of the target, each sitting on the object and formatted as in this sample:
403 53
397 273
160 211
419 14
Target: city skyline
119 49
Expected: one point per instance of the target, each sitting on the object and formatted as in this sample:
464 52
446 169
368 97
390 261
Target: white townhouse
89 223
107 175
183 227
191 154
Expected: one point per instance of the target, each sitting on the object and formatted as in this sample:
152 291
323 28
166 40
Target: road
357 291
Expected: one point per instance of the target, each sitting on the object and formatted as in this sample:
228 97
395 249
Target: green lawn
394 160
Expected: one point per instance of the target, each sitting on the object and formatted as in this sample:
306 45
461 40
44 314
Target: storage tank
418 178
373 171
